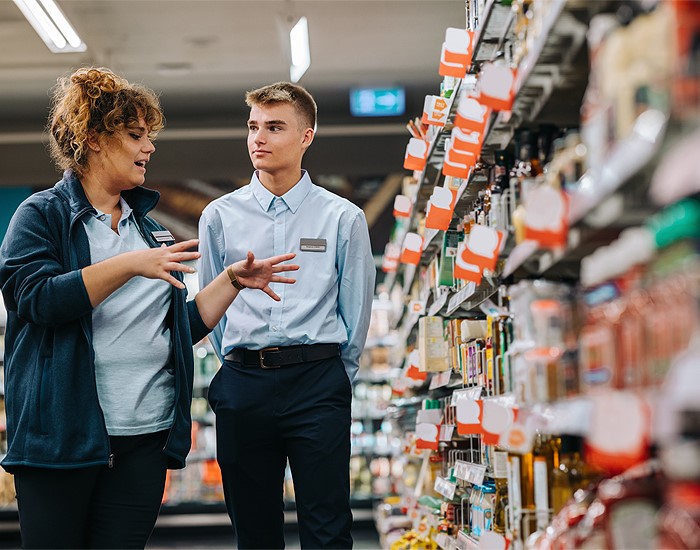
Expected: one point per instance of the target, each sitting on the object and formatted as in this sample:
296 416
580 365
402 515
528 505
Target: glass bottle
545 460
528 523
572 473
500 476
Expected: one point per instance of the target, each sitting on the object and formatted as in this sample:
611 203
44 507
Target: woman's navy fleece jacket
54 419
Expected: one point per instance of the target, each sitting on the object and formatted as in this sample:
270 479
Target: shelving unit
603 202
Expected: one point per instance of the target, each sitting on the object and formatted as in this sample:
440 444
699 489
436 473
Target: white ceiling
201 55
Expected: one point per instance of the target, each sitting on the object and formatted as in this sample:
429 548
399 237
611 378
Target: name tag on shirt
162 236
312 245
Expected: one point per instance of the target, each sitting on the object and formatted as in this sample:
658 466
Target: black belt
274 358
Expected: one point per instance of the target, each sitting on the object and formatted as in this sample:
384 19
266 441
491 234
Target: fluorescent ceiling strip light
51 25
62 23
301 55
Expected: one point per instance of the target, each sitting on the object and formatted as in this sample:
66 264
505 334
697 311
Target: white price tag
459 297
461 470
445 488
492 541
462 189
442 540
430 234
468 471
430 416
440 379
518 256
465 542
438 304
446 432
468 393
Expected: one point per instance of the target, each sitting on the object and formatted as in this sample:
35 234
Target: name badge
162 236
312 245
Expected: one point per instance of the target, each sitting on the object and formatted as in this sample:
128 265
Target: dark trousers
95 507
265 417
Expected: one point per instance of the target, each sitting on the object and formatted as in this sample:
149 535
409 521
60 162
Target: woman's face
122 158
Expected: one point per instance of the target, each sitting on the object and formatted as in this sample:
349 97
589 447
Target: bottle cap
571 444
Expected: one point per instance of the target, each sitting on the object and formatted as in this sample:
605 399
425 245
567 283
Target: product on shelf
560 388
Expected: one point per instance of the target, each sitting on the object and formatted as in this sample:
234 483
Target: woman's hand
252 273
103 278
157 263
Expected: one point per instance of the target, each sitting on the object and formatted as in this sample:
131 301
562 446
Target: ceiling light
301 55
51 25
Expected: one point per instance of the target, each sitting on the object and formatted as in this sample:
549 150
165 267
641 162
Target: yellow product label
489 348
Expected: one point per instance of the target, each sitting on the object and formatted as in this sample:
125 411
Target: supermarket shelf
466 542
432 174
627 160
432 240
547 68
471 296
466 195
543 71
494 29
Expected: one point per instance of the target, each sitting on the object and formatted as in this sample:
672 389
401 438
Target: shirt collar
126 212
292 198
126 209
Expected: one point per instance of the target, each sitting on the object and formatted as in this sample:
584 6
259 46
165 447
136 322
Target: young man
283 392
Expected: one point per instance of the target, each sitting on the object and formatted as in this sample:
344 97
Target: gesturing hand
253 273
157 263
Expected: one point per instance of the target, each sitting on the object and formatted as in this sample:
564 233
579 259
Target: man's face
277 137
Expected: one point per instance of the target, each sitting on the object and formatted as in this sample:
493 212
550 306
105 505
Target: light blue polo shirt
135 384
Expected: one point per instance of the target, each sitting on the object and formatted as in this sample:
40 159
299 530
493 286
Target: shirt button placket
278 248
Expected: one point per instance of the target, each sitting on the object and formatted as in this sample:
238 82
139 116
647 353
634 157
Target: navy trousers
265 417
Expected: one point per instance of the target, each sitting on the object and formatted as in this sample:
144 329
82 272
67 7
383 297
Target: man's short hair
286 92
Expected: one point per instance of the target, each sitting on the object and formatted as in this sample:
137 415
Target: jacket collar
140 199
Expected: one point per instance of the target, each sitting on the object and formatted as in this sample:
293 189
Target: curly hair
97 100
286 92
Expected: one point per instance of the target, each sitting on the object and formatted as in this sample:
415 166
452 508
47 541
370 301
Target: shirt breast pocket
315 265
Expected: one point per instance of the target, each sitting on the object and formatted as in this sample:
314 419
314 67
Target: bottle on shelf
571 474
501 503
545 460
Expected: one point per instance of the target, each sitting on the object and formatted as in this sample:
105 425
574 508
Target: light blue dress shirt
332 298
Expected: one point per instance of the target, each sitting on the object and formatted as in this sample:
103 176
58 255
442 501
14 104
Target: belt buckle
261 354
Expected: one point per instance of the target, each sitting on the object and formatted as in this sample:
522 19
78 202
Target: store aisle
365 539
203 537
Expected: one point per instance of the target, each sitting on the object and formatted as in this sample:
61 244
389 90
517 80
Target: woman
98 356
